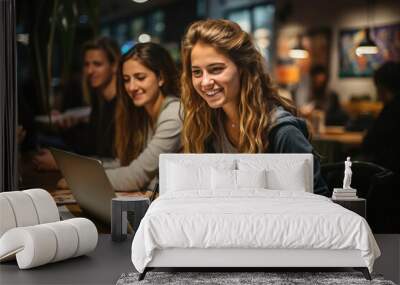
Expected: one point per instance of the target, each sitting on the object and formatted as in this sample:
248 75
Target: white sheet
252 218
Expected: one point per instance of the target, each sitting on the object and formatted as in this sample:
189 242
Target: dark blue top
288 134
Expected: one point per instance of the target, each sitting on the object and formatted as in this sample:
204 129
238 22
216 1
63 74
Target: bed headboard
279 162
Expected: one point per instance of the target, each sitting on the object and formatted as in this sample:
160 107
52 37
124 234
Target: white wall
339 14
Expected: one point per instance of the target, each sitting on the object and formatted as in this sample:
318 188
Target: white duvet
253 218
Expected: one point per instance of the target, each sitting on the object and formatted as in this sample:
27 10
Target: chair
31 231
329 151
374 183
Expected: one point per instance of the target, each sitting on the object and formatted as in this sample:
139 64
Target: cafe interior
322 55
310 48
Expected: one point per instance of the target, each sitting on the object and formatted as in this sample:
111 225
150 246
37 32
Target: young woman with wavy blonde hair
229 102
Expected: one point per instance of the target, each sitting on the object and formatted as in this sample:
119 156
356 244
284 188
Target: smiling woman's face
214 76
141 83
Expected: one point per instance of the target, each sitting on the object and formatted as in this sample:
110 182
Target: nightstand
119 208
357 205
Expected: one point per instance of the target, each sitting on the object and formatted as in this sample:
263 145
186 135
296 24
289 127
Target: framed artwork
387 38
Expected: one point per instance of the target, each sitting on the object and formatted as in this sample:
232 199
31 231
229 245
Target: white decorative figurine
347 192
347 174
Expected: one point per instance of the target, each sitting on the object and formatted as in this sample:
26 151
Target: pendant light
367 46
298 51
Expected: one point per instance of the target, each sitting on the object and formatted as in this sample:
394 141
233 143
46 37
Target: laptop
88 183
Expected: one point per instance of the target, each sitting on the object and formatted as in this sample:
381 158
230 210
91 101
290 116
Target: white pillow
282 175
181 177
251 178
293 179
223 179
186 175
236 179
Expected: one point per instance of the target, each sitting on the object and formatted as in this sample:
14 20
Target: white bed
225 210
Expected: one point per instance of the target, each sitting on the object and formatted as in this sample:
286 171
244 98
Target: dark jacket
288 134
381 143
95 138
102 128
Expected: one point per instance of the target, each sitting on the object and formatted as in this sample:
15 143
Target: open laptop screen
88 183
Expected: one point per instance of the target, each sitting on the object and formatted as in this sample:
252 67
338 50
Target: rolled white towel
33 246
87 235
41 244
66 238
26 208
45 205
23 208
7 218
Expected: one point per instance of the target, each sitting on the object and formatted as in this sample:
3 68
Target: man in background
382 142
323 99
95 137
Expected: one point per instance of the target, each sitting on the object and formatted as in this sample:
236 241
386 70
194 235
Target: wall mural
387 38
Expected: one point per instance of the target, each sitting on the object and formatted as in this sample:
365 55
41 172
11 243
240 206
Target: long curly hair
132 123
258 97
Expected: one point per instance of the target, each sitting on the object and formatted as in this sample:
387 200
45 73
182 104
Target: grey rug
229 278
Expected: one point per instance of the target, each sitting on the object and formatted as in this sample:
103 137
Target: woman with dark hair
147 117
229 102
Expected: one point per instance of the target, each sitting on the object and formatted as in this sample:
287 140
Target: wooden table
64 197
338 134
32 178
335 143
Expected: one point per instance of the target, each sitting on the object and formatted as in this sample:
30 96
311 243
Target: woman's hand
306 110
44 160
21 134
62 184
68 122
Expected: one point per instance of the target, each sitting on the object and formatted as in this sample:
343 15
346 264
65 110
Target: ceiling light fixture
367 46
139 1
144 38
298 51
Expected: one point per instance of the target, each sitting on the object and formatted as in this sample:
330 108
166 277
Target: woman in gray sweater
147 118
